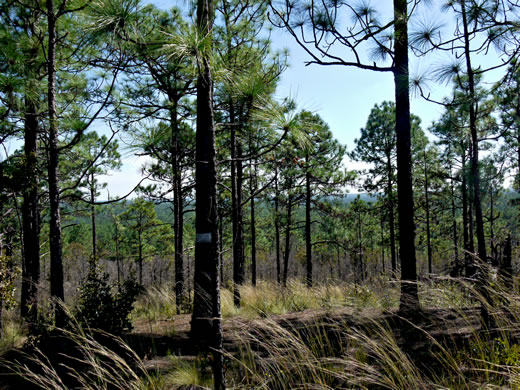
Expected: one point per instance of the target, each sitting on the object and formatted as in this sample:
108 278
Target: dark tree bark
252 190
287 250
93 221
308 243
30 216
427 209
140 256
454 227
475 174
409 293
479 222
469 270
382 244
236 206
206 325
178 209
277 226
506 269
56 274
391 217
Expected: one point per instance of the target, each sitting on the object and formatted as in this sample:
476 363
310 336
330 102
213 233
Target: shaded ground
154 340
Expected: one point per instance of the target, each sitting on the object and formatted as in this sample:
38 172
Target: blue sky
342 96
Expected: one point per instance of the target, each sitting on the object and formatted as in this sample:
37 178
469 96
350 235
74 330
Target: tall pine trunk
236 206
287 251
454 226
277 226
30 216
178 212
93 221
427 208
409 293
252 189
206 323
391 217
308 243
56 273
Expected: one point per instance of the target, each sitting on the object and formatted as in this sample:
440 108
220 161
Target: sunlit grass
155 303
14 333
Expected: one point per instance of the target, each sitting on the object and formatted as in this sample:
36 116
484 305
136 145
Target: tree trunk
454 227
56 274
30 216
206 325
277 226
409 294
140 258
483 278
93 219
252 189
479 222
236 206
427 207
391 218
361 268
468 260
178 212
382 244
287 242
308 243
506 268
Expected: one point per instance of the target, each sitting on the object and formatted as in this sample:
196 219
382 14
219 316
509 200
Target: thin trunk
56 274
93 219
238 232
506 268
382 244
140 258
178 218
409 294
360 249
454 227
206 323
391 217
30 216
479 222
468 260
427 207
252 189
221 247
287 242
277 226
494 252
308 244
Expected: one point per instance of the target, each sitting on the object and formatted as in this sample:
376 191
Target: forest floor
156 340
348 338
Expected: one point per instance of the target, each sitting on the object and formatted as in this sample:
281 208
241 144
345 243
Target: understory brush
444 346
79 358
13 333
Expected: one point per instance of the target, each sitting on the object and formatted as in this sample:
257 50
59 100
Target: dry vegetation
329 337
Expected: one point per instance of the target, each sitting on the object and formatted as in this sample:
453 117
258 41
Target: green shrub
107 306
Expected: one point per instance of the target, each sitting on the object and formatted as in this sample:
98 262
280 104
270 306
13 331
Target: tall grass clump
93 360
13 333
270 298
447 345
156 303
